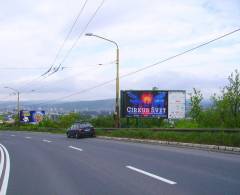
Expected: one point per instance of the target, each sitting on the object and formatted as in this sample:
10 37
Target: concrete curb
227 149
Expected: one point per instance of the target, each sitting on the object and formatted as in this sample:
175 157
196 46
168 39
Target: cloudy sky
31 33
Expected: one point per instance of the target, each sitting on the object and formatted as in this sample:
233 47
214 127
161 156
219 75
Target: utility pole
18 107
18 103
117 123
117 104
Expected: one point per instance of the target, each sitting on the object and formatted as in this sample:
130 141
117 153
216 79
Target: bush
103 121
216 138
183 123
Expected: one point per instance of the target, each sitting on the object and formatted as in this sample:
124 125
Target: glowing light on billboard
145 104
153 104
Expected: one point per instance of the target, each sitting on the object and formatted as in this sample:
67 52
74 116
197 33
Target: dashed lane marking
152 175
45 140
75 148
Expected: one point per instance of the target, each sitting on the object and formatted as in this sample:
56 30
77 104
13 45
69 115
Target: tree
232 96
195 100
228 103
68 120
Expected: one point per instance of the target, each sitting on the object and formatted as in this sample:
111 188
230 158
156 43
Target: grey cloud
32 31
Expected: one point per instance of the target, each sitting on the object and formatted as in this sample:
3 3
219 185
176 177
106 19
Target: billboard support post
127 122
137 122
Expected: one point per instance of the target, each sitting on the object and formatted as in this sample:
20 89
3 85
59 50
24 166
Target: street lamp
117 105
18 105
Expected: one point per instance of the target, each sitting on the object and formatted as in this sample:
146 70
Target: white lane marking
13 135
28 137
45 140
75 148
3 190
151 175
2 160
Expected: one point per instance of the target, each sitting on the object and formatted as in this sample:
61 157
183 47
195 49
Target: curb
228 149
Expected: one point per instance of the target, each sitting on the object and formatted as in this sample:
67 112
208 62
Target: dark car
81 129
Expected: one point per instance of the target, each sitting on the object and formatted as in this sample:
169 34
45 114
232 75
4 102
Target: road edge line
2 161
4 186
205 147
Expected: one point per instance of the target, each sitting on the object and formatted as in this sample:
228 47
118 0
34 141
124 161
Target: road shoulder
223 149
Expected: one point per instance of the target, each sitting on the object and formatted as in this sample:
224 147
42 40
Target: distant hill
94 105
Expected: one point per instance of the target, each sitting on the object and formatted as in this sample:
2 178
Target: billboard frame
29 118
123 103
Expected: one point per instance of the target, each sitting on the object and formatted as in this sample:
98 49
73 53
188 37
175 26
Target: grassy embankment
32 128
212 138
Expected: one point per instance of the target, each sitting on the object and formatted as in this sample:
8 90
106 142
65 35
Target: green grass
212 138
33 128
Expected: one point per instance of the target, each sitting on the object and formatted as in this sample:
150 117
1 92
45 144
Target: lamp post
117 105
18 104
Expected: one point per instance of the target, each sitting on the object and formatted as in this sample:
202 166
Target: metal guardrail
177 129
230 130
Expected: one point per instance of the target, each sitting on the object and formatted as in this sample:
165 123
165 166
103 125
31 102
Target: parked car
81 129
8 120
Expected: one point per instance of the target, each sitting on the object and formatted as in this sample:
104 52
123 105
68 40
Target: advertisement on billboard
176 104
31 117
169 104
144 104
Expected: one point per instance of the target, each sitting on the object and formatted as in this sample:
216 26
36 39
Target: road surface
49 164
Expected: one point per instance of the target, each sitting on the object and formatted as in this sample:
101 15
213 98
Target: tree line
225 108
224 112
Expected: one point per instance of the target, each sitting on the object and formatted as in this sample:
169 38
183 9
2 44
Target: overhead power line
89 67
180 54
22 68
61 46
82 32
69 32
141 69
67 37
77 39
11 94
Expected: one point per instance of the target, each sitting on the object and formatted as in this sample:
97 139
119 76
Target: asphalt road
47 164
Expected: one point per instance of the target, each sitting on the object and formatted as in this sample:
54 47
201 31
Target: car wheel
77 135
68 136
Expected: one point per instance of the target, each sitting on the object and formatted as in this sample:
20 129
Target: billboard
176 104
31 117
149 104
153 104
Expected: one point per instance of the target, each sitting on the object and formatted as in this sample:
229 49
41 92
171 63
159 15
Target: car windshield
80 125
